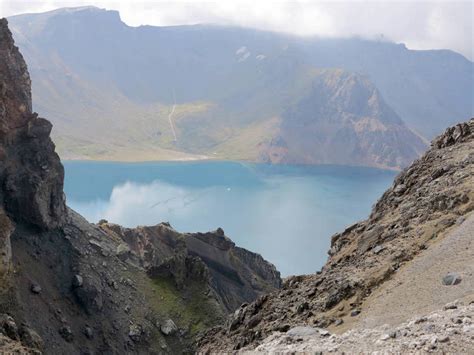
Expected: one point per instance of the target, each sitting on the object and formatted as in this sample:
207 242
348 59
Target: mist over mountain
233 93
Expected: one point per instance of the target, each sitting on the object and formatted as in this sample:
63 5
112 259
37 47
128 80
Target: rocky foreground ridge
71 287
450 330
420 214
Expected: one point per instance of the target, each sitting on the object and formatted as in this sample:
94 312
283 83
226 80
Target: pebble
452 305
66 333
451 279
355 313
89 332
168 327
324 332
378 249
36 289
77 281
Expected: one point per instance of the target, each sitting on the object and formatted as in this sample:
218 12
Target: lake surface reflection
285 213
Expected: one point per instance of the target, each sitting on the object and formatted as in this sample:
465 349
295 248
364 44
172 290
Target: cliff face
30 171
68 286
31 175
427 201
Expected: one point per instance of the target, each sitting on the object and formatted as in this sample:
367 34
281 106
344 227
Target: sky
419 24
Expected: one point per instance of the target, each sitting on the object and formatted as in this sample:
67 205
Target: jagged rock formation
70 287
30 171
426 201
235 275
31 174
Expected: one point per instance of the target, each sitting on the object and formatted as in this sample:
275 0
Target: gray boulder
168 327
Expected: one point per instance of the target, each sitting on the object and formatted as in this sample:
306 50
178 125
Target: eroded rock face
6 229
31 174
235 275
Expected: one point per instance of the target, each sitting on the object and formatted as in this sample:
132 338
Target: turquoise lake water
286 213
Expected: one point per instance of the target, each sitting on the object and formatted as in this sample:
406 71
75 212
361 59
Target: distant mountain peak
77 9
35 23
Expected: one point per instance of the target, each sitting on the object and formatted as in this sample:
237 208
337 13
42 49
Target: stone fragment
443 339
135 332
122 251
324 332
77 281
452 305
168 327
378 249
301 331
35 288
66 333
355 313
451 279
89 332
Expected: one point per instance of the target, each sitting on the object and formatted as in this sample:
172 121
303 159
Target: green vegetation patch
190 308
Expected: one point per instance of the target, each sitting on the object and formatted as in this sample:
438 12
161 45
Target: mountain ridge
227 81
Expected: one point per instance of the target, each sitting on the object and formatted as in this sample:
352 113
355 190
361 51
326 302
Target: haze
420 25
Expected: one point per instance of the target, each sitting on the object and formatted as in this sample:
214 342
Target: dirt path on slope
171 122
417 288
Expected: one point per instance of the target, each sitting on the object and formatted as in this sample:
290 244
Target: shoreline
205 159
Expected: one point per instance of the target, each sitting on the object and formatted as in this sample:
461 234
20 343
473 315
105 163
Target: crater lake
286 213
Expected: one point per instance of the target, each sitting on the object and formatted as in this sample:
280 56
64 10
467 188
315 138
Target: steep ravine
71 287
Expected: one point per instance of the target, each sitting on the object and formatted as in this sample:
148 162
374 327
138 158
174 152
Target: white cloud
419 24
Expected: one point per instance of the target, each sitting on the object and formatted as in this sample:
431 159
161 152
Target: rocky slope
344 120
424 207
449 330
234 275
70 287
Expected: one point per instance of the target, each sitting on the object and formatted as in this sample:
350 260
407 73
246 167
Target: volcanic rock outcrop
31 175
30 171
235 275
71 287
427 201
